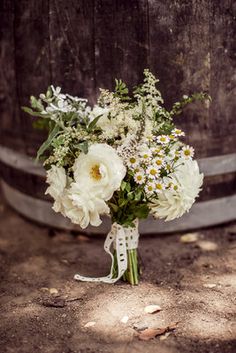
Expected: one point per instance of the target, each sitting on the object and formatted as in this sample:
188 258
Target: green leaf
113 206
141 211
130 196
122 202
49 92
128 187
93 123
41 124
123 185
138 195
31 112
36 103
121 90
83 147
48 142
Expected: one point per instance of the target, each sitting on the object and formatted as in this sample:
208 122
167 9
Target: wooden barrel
83 45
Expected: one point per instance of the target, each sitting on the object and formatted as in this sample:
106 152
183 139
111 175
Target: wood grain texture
121 41
10 133
223 81
179 55
71 25
32 59
82 45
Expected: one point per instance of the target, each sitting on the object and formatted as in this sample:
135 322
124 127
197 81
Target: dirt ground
44 310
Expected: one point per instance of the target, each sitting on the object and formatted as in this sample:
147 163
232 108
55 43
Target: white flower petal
100 171
172 203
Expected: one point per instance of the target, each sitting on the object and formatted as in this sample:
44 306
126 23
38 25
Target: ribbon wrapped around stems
121 239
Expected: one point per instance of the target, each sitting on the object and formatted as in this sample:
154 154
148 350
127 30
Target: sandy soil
44 310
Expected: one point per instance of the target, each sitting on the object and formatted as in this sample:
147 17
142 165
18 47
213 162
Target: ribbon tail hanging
116 236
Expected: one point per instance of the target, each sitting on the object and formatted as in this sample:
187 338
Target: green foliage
33 113
128 203
54 130
121 91
36 103
83 147
179 106
93 124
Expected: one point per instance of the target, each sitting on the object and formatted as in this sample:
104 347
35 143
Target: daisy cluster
154 161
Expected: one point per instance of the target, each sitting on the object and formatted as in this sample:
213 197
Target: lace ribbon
122 239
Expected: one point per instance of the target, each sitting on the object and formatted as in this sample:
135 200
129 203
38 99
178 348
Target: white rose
80 205
173 204
57 180
83 207
100 171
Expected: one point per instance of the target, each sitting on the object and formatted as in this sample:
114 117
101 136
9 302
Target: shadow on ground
44 310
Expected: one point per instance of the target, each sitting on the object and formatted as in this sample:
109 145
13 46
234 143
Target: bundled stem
131 275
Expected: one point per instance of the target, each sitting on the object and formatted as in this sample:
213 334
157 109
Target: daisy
159 162
146 155
139 178
163 139
132 162
150 188
153 172
187 152
172 186
172 136
177 132
159 186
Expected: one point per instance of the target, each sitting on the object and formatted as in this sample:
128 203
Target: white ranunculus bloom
57 180
174 203
100 171
83 207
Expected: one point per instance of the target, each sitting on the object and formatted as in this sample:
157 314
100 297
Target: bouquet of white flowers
123 157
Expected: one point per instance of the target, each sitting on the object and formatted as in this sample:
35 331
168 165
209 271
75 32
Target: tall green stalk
131 275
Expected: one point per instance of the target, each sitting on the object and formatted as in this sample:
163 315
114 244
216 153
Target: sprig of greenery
127 204
179 106
121 91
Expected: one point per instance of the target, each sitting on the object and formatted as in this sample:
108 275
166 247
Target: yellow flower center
158 162
95 172
159 186
187 152
150 188
153 172
132 160
163 139
139 177
145 156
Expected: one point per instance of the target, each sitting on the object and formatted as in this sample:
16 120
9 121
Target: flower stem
131 275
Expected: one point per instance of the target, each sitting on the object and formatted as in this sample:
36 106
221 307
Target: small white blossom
187 152
159 162
159 186
139 178
133 162
177 132
145 154
163 139
153 172
150 188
